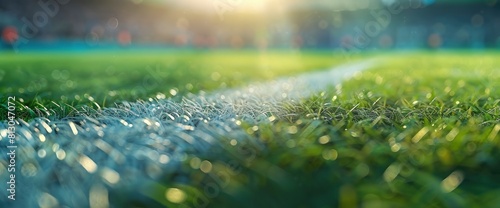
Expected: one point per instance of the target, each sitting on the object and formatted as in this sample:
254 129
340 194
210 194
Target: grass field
419 129
72 80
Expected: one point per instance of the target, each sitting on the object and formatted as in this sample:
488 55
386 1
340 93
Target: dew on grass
110 175
41 153
175 195
164 159
73 128
173 92
60 154
392 172
255 128
148 122
195 163
55 147
112 93
361 95
292 129
451 182
420 134
88 164
206 166
41 137
272 118
324 139
395 147
428 95
46 127
250 131
330 154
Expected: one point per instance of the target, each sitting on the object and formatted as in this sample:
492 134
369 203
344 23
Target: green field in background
103 78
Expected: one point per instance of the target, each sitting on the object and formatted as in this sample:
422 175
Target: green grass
420 130
59 84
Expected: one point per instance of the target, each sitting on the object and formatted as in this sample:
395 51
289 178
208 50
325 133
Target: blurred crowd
127 23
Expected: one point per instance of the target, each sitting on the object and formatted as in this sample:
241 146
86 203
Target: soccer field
103 78
420 129
416 128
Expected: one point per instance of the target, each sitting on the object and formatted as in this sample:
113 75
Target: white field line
267 98
297 87
60 161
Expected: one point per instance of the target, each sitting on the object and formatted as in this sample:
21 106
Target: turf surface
71 80
420 129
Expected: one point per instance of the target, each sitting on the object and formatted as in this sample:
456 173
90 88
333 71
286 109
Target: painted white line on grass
297 87
61 160
268 97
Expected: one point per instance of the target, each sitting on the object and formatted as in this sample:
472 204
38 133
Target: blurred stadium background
297 24
417 129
